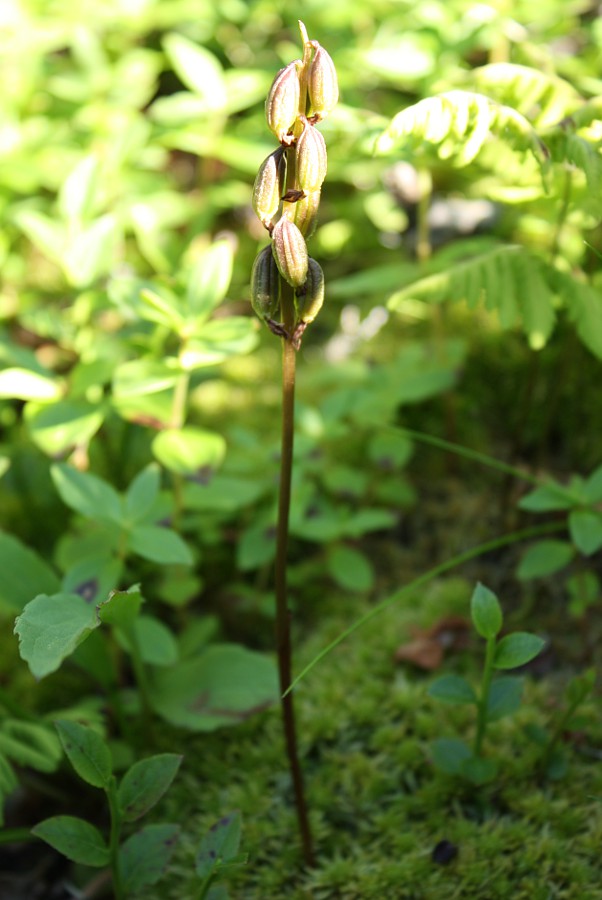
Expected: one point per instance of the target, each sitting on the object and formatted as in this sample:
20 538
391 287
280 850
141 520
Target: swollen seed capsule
304 213
265 285
310 297
268 186
290 252
311 158
282 104
322 84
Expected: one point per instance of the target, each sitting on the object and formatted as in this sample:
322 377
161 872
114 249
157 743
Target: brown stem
283 632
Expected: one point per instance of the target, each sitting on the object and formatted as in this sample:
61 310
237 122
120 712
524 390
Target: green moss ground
377 807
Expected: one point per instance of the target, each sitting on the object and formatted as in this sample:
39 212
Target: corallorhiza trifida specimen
286 195
287 292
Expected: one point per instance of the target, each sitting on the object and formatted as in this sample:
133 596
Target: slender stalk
484 698
114 839
441 569
283 634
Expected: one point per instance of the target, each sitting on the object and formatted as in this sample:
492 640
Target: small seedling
141 859
497 697
217 853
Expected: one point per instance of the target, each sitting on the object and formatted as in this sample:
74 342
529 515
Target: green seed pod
290 252
304 213
265 285
322 83
311 158
310 297
282 104
269 186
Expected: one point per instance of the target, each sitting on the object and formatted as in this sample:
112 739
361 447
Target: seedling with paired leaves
497 697
217 854
142 858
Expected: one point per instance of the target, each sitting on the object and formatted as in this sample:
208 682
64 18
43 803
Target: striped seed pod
322 84
290 252
310 297
282 104
265 285
269 185
311 158
304 213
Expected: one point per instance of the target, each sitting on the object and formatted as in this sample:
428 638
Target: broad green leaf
50 628
74 838
225 493
517 649
210 278
224 685
504 697
389 450
122 608
593 486
544 558
21 384
142 493
139 377
144 857
585 527
78 191
452 689
91 253
547 498
198 69
350 568
190 451
58 427
30 744
220 845
162 307
486 612
145 783
24 574
94 578
159 545
156 643
584 591
87 494
8 781
478 770
87 752
449 755
218 340
256 547
46 233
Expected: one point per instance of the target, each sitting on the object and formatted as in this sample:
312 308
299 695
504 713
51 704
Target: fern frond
459 123
584 308
507 280
577 151
542 99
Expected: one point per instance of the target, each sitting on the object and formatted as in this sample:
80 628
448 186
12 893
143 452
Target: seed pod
268 186
311 158
290 252
322 84
304 213
265 285
282 104
310 297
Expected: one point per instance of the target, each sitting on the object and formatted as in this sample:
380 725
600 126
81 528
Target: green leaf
544 558
8 781
91 252
93 578
543 98
478 770
452 689
86 494
159 545
87 752
142 493
144 857
78 191
50 628
547 498
161 306
74 838
224 685
389 450
22 384
57 428
350 568
585 527
593 486
486 612
220 845
198 70
145 783
210 278
157 644
30 744
517 649
505 695
140 377
449 755
189 451
121 608
219 340
47 234
584 591
24 574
